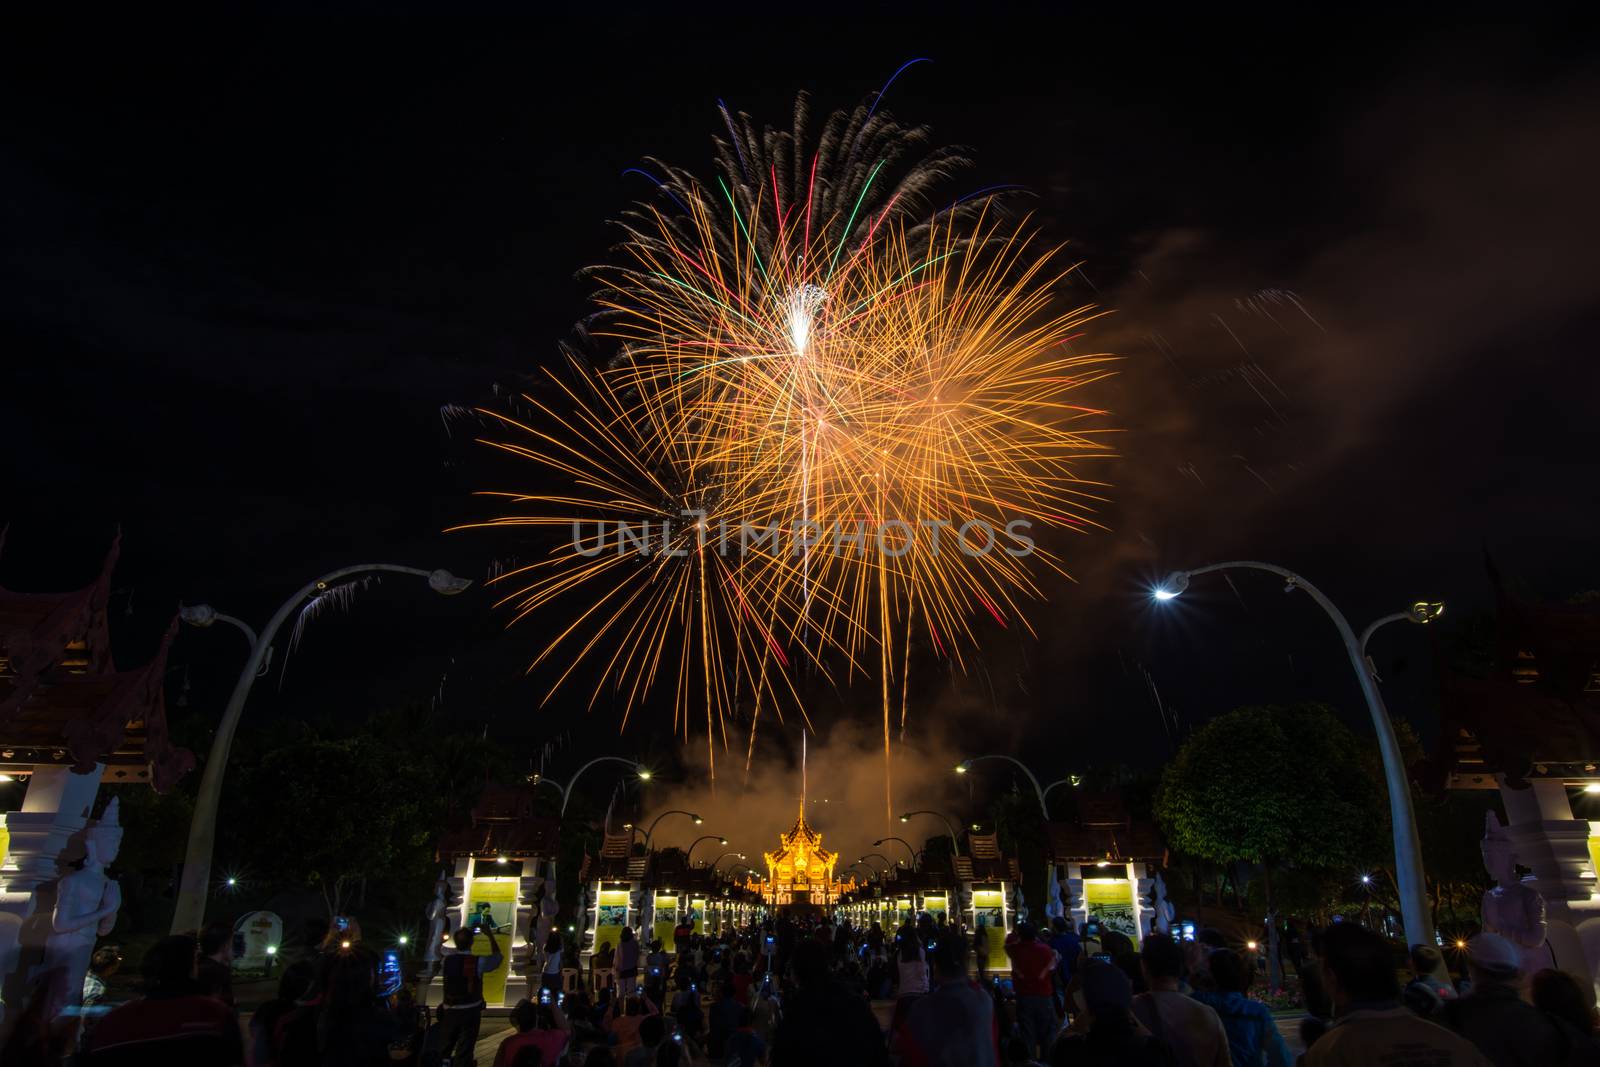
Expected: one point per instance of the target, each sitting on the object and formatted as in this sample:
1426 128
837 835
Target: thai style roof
64 702
504 824
1532 708
1104 831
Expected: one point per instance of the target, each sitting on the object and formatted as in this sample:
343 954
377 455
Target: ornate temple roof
1532 709
1104 831
62 699
504 824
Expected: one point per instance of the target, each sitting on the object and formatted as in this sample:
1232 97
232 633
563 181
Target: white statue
1511 909
86 908
438 918
1165 912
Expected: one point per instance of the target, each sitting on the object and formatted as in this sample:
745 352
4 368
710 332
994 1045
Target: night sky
246 264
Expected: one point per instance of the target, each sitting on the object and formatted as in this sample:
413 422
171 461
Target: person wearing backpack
461 1013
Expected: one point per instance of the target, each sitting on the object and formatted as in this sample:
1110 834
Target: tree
1273 786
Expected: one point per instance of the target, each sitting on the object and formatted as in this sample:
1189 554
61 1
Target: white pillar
54 810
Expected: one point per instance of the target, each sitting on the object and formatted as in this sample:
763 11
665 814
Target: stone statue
1053 907
1511 909
438 917
1164 911
86 908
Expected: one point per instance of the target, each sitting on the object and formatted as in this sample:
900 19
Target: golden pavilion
801 870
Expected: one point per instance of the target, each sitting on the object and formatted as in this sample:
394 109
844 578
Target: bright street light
195 880
1416 916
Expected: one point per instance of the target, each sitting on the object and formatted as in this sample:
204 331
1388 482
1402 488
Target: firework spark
806 347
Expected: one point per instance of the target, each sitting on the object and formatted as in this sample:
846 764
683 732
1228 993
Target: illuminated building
801 870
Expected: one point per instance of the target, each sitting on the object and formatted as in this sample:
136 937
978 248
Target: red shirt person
1033 966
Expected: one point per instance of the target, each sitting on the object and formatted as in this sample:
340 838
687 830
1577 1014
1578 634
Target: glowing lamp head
272 950
1171 587
963 767
403 939
1592 787
1366 879
1251 945
501 860
722 840
232 881
345 943
905 818
698 820
644 774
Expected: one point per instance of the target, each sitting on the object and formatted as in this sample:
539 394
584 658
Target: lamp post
566 790
689 855
955 845
1411 881
722 857
670 811
903 844
887 862
190 912
966 765
872 872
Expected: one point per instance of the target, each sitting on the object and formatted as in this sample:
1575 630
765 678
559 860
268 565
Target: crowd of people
792 992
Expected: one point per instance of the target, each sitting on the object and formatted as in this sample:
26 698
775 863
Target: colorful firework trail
806 346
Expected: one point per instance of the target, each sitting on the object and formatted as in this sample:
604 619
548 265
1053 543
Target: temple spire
802 776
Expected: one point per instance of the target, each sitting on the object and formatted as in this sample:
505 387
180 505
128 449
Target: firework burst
807 348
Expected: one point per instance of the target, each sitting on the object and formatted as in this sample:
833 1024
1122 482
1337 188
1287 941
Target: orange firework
886 400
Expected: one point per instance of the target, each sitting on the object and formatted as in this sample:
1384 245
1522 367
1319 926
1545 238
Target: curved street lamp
724 856
966 765
955 845
190 912
566 790
903 844
887 862
1412 883
872 872
670 811
688 855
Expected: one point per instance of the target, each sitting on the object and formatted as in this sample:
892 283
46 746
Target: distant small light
1366 879
344 944
272 950
1460 943
232 880
403 939
1103 863
501 860
1251 945
961 768
570 928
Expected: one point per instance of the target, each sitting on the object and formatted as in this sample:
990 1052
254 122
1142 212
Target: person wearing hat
1508 1030
1371 1026
1113 1035
1426 990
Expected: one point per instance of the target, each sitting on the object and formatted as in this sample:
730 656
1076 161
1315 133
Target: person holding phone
461 1014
